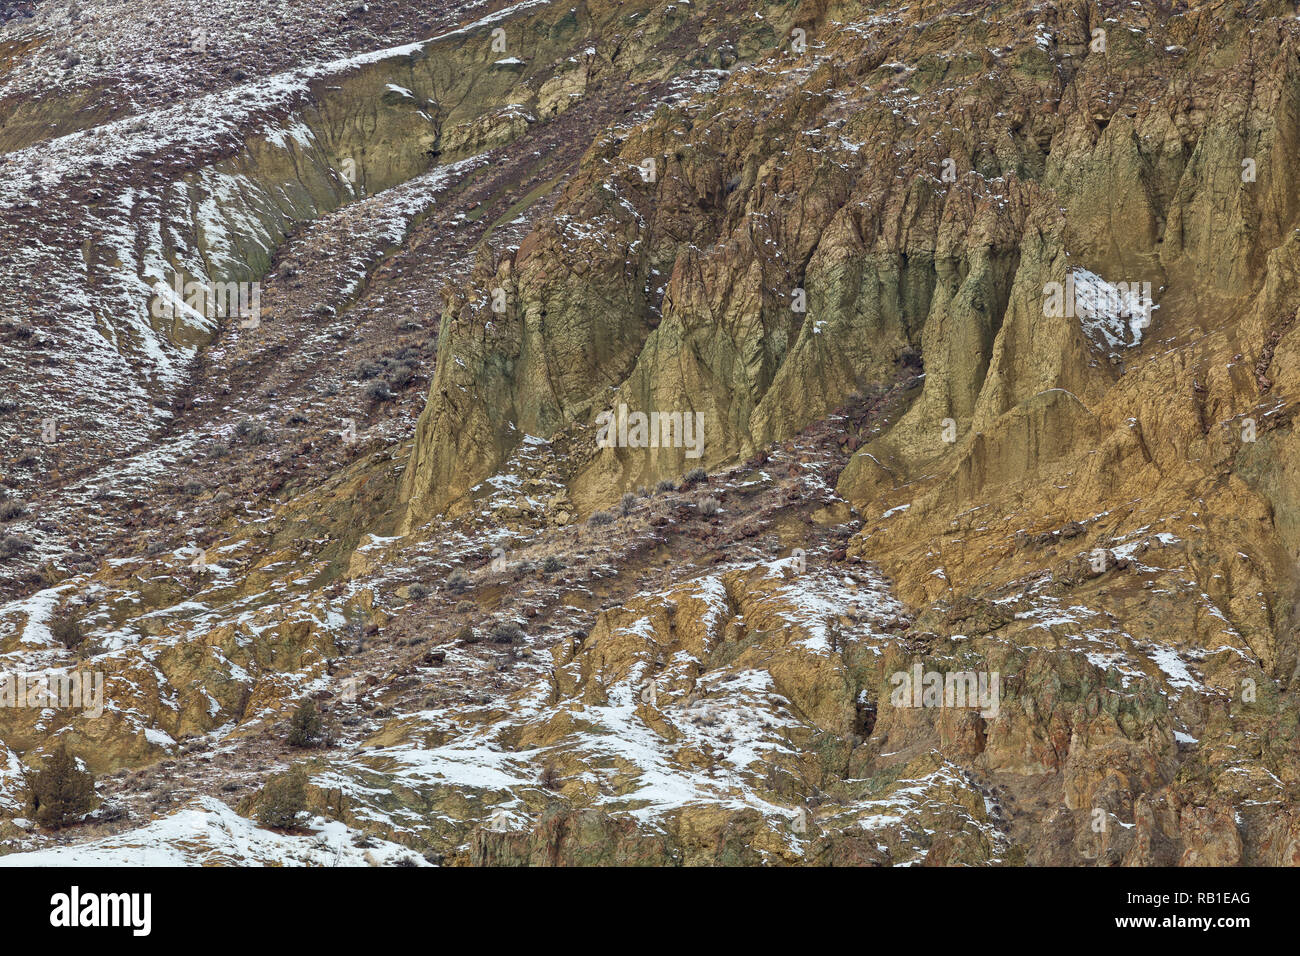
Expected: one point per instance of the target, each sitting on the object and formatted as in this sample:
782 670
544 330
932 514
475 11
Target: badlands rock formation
986 315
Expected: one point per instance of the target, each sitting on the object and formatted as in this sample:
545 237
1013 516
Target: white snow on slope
206 832
1113 316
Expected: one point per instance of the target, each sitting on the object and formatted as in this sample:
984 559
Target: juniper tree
306 725
61 792
283 798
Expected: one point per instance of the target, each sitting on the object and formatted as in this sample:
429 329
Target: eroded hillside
966 329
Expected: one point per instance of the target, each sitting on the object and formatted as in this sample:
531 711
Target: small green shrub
506 632
694 477
284 798
378 391
12 545
67 630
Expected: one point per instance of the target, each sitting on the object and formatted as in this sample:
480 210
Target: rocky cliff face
671 432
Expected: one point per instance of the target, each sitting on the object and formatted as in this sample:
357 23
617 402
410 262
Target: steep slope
966 328
894 199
